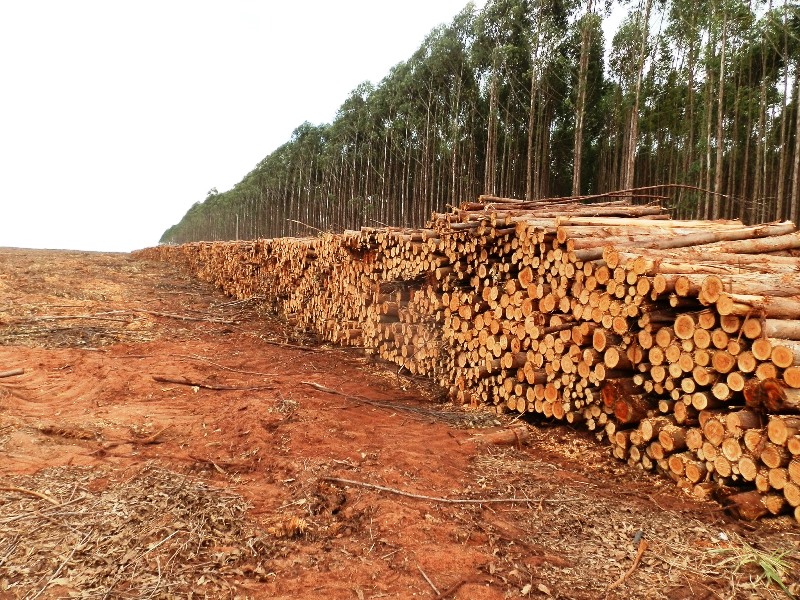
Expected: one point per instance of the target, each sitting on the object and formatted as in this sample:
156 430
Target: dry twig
151 439
208 386
361 399
454 588
223 367
107 316
397 492
62 565
430 583
183 317
11 373
20 490
208 461
452 417
292 346
639 552
97 317
304 224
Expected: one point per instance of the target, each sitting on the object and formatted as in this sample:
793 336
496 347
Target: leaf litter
155 533
134 525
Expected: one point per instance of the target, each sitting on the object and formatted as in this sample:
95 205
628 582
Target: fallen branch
512 436
107 316
397 492
97 317
430 583
639 552
11 373
219 366
293 346
385 405
361 399
208 386
208 461
151 439
20 490
55 575
453 588
242 301
183 317
205 360
304 224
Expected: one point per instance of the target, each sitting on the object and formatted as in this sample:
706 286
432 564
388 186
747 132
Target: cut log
737 422
651 427
782 329
616 389
746 505
781 428
672 438
771 307
695 471
771 396
780 237
791 377
714 431
731 449
632 409
586 313
785 353
794 470
791 491
774 456
777 478
748 467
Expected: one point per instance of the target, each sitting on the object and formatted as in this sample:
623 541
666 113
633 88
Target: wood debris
678 342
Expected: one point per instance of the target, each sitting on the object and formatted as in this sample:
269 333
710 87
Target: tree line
526 99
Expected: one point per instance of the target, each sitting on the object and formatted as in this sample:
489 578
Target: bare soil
164 441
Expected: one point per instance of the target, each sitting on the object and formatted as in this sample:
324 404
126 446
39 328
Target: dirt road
166 441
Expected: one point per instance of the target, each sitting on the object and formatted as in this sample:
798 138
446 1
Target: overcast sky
115 117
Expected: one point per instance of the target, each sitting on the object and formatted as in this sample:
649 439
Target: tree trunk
720 115
633 132
531 156
490 179
580 105
781 192
796 169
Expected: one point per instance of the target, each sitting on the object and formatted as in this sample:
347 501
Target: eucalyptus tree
590 27
501 52
585 113
687 22
548 26
516 100
631 48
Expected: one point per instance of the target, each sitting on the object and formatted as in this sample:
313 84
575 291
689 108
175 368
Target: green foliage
497 88
769 567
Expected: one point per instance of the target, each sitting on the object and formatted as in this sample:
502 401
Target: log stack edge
677 342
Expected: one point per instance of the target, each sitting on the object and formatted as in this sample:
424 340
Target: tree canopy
525 99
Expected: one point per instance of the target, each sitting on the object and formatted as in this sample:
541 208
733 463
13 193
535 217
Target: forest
529 99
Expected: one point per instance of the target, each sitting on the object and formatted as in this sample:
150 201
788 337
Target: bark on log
771 396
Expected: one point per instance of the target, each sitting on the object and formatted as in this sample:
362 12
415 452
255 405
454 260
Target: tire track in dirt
48 391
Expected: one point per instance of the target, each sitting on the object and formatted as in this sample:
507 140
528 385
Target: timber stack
677 342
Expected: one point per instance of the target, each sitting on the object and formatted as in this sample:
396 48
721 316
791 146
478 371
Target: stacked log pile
678 342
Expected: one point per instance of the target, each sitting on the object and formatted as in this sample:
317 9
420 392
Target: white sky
116 116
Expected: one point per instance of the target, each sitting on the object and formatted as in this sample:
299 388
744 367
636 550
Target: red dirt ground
105 468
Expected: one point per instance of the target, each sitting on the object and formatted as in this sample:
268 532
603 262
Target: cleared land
164 439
